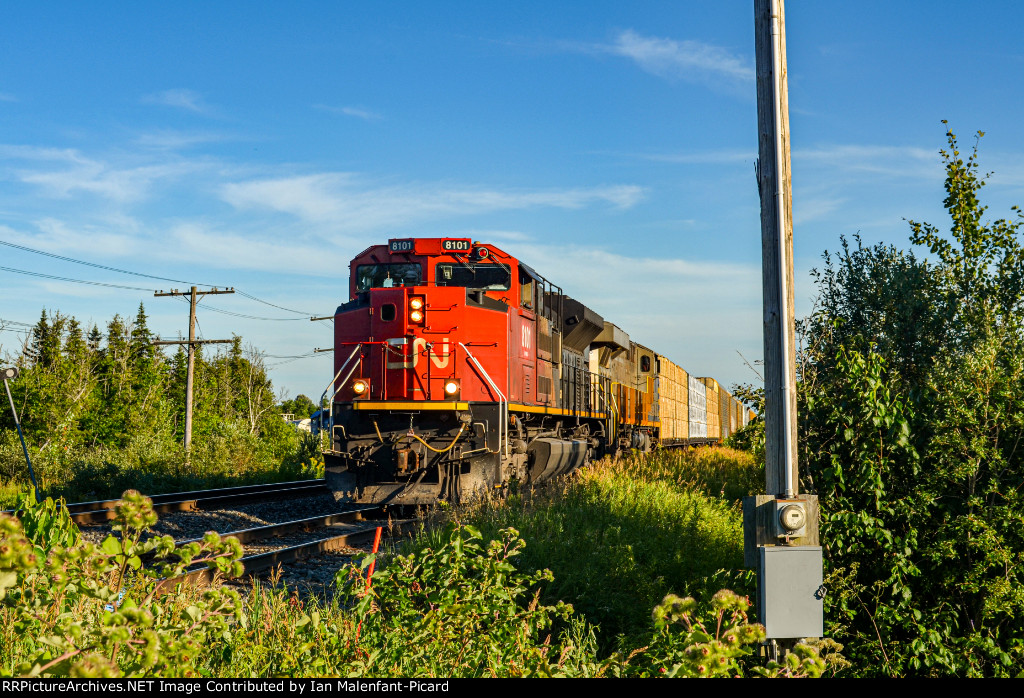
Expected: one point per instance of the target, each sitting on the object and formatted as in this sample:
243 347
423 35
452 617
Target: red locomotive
459 368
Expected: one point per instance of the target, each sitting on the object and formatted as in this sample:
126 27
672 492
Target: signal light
360 388
417 308
451 388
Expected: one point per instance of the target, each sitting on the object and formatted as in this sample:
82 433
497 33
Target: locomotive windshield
490 277
387 275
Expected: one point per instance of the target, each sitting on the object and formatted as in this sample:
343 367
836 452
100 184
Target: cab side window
527 289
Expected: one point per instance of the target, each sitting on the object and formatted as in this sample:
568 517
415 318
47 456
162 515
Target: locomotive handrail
502 401
343 382
330 406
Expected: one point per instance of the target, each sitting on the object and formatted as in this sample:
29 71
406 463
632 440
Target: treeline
103 409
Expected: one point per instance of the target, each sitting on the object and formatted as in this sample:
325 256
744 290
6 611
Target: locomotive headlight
360 387
451 388
415 304
416 315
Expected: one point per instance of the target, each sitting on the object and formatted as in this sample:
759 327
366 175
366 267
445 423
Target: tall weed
617 539
71 608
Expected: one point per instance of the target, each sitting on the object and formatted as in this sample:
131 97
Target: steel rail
260 562
201 500
280 529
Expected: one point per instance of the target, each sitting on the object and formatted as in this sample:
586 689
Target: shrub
714 642
460 609
71 608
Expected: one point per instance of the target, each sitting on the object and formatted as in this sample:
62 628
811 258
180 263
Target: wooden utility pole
194 297
780 528
775 188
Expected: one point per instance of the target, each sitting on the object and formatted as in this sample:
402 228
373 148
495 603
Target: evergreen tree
95 339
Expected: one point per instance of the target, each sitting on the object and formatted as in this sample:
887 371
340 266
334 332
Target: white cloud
8 97
809 208
895 161
358 112
697 313
80 174
350 204
88 241
34 153
711 157
176 140
93 178
686 60
179 99
198 244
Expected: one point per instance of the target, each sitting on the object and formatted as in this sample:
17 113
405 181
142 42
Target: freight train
458 368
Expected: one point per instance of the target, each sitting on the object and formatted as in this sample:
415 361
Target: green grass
616 538
620 535
156 465
722 472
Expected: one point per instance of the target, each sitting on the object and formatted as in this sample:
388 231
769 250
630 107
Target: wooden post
775 188
780 527
192 342
191 375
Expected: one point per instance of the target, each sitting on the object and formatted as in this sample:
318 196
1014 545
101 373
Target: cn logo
439 354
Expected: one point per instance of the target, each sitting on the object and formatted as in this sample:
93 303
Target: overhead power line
16 322
136 273
74 281
97 266
252 317
243 315
292 356
281 307
288 361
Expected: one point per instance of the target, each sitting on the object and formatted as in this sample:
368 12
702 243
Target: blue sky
609 145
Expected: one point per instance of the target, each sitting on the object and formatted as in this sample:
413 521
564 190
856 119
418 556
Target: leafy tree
106 411
910 437
302 407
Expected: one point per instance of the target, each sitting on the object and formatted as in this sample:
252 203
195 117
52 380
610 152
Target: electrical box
766 522
790 518
791 591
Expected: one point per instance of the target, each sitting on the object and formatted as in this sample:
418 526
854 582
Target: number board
400 245
456 245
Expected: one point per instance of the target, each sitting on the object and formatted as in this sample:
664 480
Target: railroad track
334 532
200 500
352 528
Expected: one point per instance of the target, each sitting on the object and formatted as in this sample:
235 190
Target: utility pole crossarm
165 342
210 292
